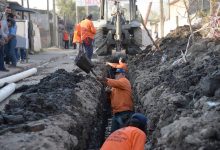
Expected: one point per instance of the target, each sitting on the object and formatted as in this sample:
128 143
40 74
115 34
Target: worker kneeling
120 97
132 137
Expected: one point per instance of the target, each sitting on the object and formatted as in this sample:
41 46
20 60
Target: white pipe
7 91
18 76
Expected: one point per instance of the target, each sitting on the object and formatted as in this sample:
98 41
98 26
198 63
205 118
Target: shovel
85 64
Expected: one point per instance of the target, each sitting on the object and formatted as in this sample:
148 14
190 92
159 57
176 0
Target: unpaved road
63 62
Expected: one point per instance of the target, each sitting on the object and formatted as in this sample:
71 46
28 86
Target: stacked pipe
10 85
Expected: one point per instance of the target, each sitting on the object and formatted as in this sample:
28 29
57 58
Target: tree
67 9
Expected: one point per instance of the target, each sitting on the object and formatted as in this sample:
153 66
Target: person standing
88 32
132 137
3 40
77 35
66 39
120 97
12 41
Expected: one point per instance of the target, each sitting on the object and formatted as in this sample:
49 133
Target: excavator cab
118 30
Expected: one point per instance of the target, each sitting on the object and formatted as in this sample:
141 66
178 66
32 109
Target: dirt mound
61 112
181 100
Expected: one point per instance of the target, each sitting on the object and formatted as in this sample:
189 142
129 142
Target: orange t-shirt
119 65
87 29
128 138
121 95
77 34
65 36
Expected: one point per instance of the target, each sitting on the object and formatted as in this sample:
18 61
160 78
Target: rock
208 133
1 119
211 45
217 93
12 119
179 101
191 139
197 49
217 48
208 86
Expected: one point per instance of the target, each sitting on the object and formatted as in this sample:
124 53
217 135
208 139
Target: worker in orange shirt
120 97
77 35
88 32
132 137
122 64
66 39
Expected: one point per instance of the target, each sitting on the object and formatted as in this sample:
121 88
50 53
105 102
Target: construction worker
122 64
88 32
132 137
77 35
120 97
66 39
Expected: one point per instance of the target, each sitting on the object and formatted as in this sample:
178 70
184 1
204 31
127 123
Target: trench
97 136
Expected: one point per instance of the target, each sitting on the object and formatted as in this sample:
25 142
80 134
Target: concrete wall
41 20
177 14
37 38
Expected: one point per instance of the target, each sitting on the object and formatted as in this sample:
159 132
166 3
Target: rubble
182 100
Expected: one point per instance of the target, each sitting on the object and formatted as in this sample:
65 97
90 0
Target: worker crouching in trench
120 98
131 137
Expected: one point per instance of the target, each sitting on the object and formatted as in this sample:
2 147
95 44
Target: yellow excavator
118 33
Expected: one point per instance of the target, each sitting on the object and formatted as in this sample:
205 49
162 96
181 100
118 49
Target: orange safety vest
121 95
77 34
87 29
127 138
65 36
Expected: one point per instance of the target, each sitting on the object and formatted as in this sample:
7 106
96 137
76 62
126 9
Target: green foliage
67 8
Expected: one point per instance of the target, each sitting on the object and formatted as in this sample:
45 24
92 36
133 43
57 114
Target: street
46 62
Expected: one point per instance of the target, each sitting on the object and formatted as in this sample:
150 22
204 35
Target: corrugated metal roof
16 6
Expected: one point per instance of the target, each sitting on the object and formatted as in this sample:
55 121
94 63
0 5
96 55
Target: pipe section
7 91
18 76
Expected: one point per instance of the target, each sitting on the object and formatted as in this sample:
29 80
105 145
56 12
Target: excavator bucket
118 54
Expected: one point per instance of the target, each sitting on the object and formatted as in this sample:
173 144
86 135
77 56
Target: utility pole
48 13
22 14
211 8
54 24
87 9
77 19
161 19
29 17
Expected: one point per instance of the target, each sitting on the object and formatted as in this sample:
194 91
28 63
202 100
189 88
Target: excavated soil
63 111
180 99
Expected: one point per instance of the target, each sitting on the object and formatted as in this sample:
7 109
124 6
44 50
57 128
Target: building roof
16 6
173 2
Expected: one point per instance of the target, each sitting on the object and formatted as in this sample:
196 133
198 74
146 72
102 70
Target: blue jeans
10 52
21 55
120 119
88 45
2 66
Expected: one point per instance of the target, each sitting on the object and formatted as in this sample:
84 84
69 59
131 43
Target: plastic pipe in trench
7 91
18 76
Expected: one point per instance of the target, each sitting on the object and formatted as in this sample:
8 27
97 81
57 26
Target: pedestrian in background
3 40
66 39
77 35
11 54
88 32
